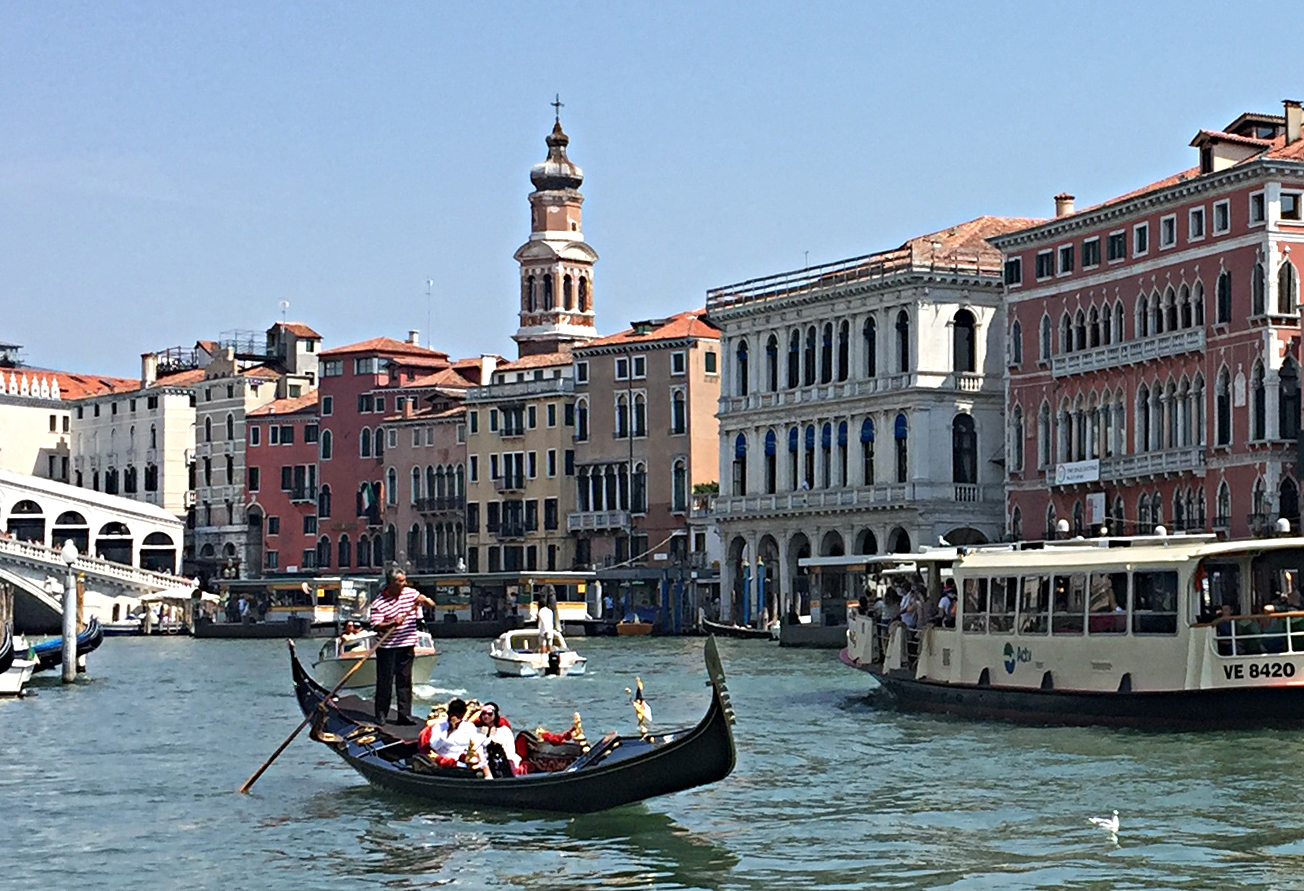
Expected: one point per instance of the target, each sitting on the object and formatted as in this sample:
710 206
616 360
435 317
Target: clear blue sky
172 170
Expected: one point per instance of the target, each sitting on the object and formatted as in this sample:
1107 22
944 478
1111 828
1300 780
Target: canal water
128 780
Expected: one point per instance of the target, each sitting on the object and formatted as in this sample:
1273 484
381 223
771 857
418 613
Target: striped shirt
394 609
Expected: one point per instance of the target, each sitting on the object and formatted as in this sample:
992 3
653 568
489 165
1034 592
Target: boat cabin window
1069 603
1154 610
1034 603
1002 598
1108 603
1221 584
975 606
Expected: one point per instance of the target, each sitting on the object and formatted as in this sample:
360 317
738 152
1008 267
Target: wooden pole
248 784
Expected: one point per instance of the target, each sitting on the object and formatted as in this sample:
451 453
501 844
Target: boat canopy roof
1103 552
923 557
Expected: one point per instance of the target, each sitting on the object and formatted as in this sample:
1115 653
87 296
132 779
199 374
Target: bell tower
556 263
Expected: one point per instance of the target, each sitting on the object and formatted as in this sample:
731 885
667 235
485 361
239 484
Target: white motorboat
13 679
516 655
339 654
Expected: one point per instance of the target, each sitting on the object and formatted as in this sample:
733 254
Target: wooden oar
308 719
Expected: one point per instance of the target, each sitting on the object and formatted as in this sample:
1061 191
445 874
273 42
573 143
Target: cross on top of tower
557 106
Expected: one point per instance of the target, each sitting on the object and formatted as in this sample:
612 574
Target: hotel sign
1074 472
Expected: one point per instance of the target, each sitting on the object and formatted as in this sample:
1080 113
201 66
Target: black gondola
740 631
613 771
7 649
49 653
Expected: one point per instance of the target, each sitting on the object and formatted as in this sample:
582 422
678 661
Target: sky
172 171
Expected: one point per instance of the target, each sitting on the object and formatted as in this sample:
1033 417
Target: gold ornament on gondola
642 709
577 732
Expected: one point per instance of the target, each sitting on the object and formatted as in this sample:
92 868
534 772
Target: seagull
1109 824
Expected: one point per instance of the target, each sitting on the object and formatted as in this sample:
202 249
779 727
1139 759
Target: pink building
1154 347
354 400
281 442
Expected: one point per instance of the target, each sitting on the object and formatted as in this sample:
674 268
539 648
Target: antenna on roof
285 307
430 285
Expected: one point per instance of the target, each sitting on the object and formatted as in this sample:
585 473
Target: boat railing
1258 634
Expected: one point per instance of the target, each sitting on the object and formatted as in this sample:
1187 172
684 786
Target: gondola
49 653
613 771
740 631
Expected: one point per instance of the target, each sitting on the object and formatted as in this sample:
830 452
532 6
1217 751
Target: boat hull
741 632
615 772
569 663
16 676
329 672
49 653
1216 709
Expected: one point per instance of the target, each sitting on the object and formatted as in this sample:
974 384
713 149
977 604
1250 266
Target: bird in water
1109 824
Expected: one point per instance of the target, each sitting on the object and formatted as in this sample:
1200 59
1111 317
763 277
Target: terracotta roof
1219 136
209 346
474 361
682 325
71 386
444 377
180 379
261 371
289 406
966 239
298 329
387 345
426 414
541 360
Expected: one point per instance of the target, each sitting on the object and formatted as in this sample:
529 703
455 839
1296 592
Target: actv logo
1015 655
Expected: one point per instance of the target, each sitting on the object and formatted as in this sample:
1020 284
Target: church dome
557 172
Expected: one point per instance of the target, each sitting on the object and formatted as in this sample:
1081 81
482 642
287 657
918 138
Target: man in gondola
394 619
448 739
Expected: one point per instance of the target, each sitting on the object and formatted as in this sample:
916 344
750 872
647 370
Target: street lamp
69 555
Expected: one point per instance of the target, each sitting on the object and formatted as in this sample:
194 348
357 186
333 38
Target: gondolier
395 607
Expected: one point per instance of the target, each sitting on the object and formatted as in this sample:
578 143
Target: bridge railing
146 578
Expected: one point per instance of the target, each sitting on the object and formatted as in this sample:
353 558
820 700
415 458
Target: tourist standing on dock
395 609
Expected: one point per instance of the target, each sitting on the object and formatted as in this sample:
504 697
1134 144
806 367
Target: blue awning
867 431
792 439
810 437
769 443
900 430
740 446
826 436
842 433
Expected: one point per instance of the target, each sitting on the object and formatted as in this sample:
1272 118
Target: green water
128 779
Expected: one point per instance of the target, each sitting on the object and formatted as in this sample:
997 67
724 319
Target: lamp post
69 555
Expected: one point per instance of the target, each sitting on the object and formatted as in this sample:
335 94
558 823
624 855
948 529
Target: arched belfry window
548 301
965 347
567 293
964 450
528 297
584 295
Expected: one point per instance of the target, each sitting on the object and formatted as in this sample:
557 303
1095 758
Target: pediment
543 250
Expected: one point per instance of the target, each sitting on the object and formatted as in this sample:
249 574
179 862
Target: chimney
414 337
1294 118
148 369
1063 204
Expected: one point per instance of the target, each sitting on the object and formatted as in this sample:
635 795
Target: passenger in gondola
447 740
499 741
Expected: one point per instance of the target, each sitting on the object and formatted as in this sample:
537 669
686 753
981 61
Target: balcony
1132 352
521 389
596 521
877 497
511 432
510 483
1151 464
437 563
513 529
965 382
303 494
447 504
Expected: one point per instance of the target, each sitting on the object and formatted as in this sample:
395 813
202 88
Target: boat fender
1047 682
1125 682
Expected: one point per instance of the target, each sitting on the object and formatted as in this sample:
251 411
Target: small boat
516 655
569 778
1163 631
49 653
633 629
338 656
740 631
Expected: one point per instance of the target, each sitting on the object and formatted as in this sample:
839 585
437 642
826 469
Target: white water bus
1122 631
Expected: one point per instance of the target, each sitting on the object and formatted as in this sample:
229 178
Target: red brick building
1154 347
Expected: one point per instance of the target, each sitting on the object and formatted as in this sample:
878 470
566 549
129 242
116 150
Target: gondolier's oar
248 784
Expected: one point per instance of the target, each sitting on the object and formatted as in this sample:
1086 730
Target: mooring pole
69 554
